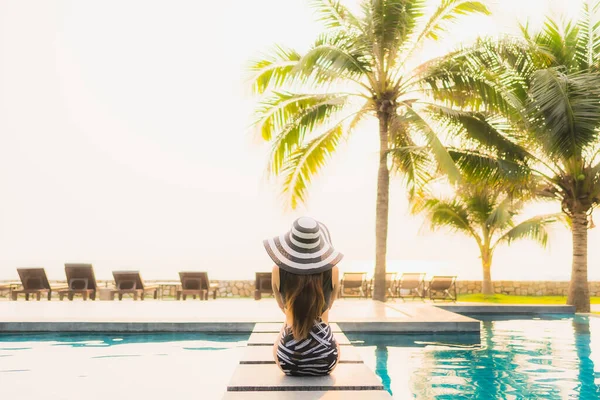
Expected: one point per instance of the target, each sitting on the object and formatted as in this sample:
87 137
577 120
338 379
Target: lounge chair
262 284
81 280
131 282
442 288
390 285
196 284
414 283
35 282
353 281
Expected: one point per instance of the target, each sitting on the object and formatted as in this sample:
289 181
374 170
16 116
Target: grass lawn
508 299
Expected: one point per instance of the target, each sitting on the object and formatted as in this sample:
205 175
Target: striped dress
316 355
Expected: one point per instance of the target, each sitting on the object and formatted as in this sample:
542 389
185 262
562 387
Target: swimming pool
118 366
545 357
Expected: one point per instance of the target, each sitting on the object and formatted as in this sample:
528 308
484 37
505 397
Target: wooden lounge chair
35 282
131 282
353 281
442 288
196 284
390 285
81 280
414 283
262 284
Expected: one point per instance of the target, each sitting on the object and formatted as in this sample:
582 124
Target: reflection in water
588 389
381 366
543 358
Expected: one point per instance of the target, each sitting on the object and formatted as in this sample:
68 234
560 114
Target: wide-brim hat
305 249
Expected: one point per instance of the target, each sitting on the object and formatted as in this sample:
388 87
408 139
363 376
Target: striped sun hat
305 249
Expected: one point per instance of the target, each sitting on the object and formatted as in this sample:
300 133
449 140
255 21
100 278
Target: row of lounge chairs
356 284
410 285
81 280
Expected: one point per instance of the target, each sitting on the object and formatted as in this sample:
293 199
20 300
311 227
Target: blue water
117 366
544 357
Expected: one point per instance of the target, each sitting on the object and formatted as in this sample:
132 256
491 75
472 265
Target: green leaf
439 151
275 70
533 229
305 162
568 110
287 126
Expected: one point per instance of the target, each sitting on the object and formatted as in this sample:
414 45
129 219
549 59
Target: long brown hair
305 300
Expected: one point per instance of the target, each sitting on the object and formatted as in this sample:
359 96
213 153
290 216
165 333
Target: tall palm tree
362 65
486 214
534 102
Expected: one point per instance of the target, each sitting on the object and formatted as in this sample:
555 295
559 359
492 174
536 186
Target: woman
305 283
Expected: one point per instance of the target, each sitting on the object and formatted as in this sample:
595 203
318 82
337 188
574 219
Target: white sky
124 142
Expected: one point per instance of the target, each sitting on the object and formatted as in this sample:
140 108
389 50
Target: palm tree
360 66
532 103
486 214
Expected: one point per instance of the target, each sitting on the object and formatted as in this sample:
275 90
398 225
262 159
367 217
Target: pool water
545 357
118 366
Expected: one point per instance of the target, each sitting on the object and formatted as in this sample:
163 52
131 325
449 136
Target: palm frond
413 162
305 162
438 150
588 42
478 201
568 108
283 110
394 20
478 127
560 40
480 167
359 116
334 57
534 229
502 214
442 213
449 11
288 126
334 15
488 75
274 70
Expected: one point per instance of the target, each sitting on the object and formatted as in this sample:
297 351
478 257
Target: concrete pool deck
231 315
240 315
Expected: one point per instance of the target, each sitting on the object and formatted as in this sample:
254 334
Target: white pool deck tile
221 314
313 395
268 338
264 355
268 377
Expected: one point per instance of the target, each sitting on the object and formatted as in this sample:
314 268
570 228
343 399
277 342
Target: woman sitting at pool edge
305 283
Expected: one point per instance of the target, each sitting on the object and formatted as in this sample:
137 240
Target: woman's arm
335 282
275 286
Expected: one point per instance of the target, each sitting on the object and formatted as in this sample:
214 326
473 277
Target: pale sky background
124 142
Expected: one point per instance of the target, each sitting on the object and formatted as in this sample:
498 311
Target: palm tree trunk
579 293
381 212
486 263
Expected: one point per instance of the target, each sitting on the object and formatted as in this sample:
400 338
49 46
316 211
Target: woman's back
286 282
304 282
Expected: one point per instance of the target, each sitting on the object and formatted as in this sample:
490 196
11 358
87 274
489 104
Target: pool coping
484 308
230 327
365 317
